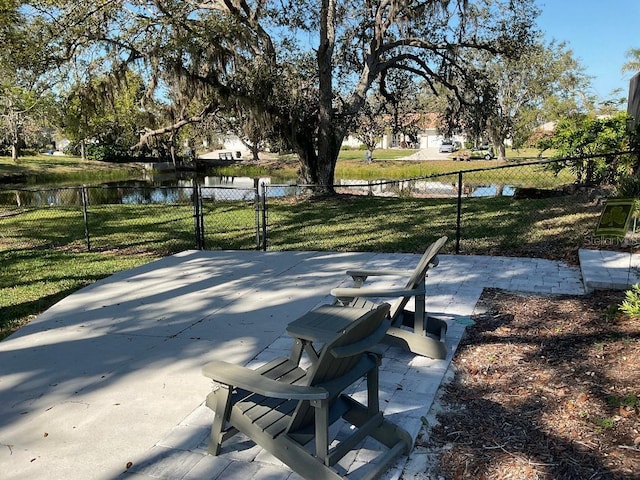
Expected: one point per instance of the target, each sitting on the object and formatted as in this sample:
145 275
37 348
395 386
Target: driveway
428 154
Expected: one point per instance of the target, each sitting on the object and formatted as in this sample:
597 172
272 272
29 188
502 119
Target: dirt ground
544 388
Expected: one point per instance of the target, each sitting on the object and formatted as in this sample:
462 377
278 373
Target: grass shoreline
61 168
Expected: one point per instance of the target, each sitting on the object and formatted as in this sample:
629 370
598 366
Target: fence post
256 208
197 217
203 245
459 212
263 203
85 215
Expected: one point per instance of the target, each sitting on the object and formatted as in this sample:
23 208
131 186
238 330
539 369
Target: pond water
171 188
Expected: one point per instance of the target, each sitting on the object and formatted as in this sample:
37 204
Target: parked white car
447 146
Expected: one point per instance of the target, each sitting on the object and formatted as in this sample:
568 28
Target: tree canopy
633 63
587 141
509 96
302 69
27 65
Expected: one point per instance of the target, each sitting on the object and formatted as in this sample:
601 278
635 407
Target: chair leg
373 398
222 398
321 408
436 327
418 344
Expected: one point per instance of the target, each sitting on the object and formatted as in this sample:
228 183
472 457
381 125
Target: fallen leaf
625 412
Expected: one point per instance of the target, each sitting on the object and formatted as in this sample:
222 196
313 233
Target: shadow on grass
14 316
34 279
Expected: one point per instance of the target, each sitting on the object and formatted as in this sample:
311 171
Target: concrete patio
108 384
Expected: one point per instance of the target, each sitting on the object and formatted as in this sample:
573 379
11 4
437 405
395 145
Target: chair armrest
349 292
378 273
247 379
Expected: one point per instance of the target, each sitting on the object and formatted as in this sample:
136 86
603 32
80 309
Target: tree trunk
502 151
497 138
255 152
308 161
498 133
14 126
327 154
83 150
317 167
172 149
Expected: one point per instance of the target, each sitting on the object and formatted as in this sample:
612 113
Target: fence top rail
37 189
131 187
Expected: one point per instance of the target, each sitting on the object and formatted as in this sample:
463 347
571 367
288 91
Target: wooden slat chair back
417 279
340 358
426 334
283 407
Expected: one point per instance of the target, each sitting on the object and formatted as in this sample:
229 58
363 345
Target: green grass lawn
483 172
33 279
378 154
58 168
550 228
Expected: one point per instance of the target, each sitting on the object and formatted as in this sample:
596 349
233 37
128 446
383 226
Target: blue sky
599 33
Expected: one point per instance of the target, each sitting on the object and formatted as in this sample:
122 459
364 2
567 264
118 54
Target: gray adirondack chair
420 333
287 410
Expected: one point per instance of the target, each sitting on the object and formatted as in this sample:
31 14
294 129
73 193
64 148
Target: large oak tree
303 68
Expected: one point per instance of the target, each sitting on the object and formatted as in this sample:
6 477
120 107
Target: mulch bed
545 388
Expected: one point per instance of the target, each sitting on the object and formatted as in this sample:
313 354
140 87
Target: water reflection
48 197
493 191
228 188
425 189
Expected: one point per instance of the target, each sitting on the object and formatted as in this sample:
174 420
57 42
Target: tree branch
149 133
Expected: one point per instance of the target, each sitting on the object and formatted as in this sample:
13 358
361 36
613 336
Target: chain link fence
526 209
128 218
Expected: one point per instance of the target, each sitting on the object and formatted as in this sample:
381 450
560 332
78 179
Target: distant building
428 134
633 104
426 126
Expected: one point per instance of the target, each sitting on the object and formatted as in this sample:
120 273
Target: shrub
628 187
631 302
110 153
